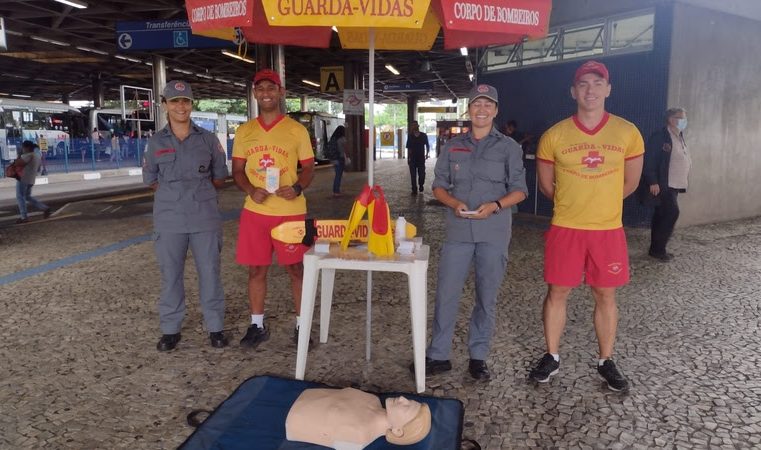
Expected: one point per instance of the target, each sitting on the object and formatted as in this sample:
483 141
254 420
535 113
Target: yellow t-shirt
282 144
589 170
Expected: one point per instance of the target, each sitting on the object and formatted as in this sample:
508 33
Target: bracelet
297 189
498 206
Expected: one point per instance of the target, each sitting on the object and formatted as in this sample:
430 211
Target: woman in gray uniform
185 164
479 176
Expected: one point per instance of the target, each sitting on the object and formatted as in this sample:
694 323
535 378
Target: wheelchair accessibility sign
163 35
180 39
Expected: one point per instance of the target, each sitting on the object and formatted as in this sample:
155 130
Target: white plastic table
416 268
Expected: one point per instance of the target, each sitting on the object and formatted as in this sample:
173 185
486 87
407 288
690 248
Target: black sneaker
255 336
168 342
546 368
433 366
663 257
478 369
46 214
296 337
610 374
218 339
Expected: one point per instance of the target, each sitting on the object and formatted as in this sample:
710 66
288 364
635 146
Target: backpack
331 150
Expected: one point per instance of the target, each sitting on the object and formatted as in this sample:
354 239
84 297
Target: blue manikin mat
253 418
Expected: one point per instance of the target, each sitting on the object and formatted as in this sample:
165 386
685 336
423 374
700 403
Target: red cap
268 74
592 67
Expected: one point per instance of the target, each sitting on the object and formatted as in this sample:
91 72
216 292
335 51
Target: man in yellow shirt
266 154
587 164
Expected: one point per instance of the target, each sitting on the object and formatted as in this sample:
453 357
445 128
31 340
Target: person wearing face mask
667 166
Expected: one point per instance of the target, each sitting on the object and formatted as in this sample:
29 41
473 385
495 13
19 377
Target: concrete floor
78 329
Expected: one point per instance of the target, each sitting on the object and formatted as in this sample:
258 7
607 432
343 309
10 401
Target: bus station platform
79 367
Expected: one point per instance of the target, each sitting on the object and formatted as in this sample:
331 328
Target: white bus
320 126
108 121
57 127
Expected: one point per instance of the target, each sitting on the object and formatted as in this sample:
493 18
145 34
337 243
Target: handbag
13 171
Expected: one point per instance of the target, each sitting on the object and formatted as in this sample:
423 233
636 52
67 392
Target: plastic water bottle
400 233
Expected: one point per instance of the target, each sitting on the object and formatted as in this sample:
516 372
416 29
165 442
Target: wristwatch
297 189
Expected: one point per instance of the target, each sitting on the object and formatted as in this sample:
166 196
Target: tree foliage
229 106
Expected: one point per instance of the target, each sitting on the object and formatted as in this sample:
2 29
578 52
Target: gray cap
485 91
177 89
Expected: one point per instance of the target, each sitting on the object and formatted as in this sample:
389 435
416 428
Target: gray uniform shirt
33 161
186 200
477 172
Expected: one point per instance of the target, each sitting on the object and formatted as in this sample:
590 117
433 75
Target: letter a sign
332 79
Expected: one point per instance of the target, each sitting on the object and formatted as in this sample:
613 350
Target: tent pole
370 167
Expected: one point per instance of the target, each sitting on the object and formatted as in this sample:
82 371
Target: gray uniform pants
454 268
171 251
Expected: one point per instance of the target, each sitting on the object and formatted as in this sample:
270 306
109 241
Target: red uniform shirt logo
593 159
266 161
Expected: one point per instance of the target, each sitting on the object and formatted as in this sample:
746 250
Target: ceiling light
92 50
127 58
222 80
240 84
470 75
74 3
201 75
186 72
50 41
392 69
311 83
236 56
464 51
21 95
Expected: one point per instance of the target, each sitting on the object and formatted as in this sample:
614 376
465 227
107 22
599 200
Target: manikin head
409 421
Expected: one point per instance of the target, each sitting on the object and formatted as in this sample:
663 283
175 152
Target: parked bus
56 126
108 121
320 126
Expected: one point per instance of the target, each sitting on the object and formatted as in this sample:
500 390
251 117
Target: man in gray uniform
185 164
479 176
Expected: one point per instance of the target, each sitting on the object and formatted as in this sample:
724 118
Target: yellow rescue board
331 230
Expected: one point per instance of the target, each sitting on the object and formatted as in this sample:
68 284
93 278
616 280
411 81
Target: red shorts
255 243
600 256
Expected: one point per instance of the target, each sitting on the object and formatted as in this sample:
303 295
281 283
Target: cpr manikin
349 419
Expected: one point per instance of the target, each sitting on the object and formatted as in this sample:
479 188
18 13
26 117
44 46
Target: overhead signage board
162 35
347 13
354 102
332 79
437 109
408 87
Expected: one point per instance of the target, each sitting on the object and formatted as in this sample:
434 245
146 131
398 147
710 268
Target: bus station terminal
82 279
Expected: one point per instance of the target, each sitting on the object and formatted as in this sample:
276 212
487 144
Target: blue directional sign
162 35
408 87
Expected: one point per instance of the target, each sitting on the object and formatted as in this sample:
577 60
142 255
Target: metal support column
159 81
97 90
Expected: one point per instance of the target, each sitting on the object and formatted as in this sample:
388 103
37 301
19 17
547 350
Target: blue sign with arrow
162 35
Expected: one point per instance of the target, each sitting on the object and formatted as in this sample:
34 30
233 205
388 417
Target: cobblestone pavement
79 368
